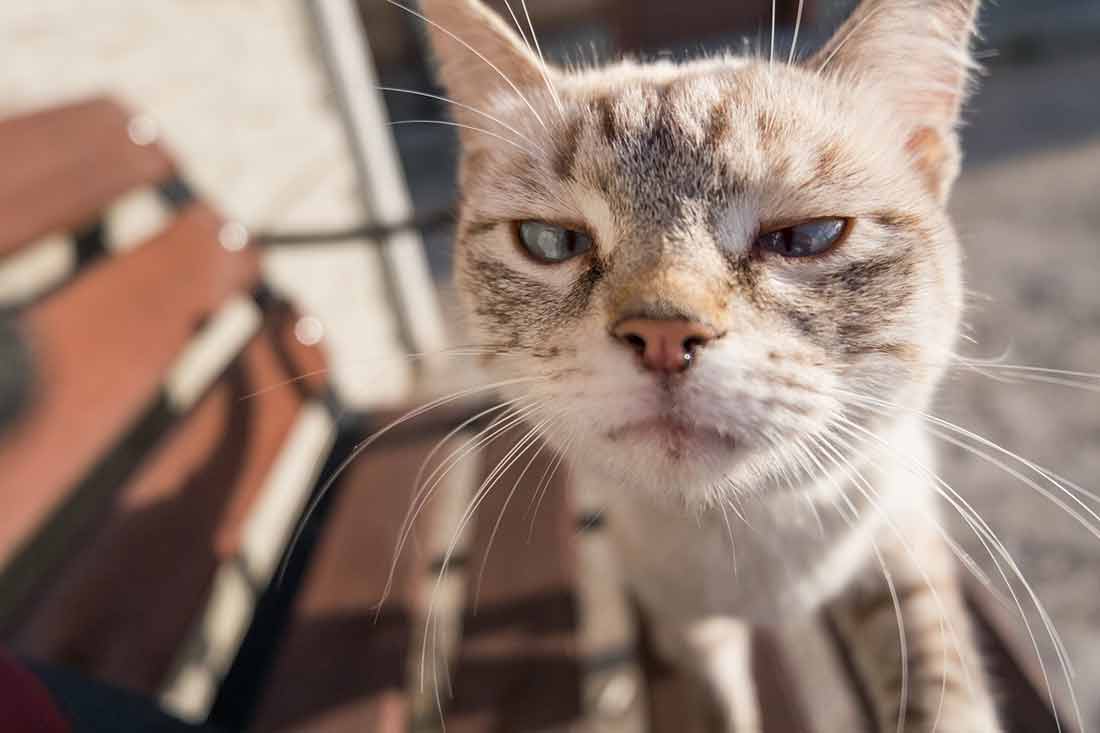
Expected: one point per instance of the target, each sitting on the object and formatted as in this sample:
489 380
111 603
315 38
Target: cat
730 285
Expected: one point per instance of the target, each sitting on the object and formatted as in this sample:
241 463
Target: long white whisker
543 487
983 531
797 26
962 555
425 490
970 435
519 26
466 107
771 53
474 128
729 533
848 37
536 433
869 493
543 68
477 53
479 497
362 446
983 364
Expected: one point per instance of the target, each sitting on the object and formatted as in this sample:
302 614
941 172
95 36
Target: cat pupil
551 243
803 240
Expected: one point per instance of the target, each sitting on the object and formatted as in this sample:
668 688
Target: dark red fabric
25 703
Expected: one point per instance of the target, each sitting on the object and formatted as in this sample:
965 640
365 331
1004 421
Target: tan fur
673 171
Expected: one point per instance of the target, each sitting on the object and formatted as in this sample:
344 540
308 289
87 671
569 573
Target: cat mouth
676 436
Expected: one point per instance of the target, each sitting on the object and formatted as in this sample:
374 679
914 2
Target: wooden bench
169 448
165 427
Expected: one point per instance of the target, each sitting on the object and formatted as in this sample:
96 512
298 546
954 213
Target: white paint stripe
213 643
35 269
211 351
436 528
614 697
385 193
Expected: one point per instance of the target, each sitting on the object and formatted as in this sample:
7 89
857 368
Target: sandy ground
1028 210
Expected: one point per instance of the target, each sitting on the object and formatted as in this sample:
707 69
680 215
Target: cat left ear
478 54
917 52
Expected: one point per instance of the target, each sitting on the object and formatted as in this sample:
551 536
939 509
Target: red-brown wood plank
101 348
64 165
518 665
343 665
121 608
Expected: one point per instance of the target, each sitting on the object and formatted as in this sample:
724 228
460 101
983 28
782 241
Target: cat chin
687 468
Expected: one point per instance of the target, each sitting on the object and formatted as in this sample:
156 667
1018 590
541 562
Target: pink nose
667 346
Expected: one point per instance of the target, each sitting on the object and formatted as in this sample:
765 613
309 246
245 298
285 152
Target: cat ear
478 54
917 52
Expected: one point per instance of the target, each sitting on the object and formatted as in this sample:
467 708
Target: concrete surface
1028 209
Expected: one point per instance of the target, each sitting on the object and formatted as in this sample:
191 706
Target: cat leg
717 653
941 685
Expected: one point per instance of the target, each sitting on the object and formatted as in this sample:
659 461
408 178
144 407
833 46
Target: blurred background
272 113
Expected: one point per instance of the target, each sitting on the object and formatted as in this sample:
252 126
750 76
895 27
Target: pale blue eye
804 240
551 243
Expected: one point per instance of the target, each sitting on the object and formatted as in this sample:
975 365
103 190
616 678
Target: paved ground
1028 207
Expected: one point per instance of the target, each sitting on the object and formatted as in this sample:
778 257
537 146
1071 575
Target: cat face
687 268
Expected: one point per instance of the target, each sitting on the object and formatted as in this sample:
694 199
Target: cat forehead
711 117
662 141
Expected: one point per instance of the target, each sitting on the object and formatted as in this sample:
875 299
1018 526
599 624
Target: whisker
970 435
479 497
729 533
945 626
537 433
771 53
848 37
962 555
984 364
543 487
477 53
1037 376
542 61
362 446
466 107
416 505
474 128
519 26
984 532
797 26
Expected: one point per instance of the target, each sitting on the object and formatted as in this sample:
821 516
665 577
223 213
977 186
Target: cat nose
667 346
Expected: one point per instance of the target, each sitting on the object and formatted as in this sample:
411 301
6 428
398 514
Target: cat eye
551 243
806 239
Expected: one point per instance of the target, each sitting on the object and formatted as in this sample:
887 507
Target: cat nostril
693 343
636 342
664 345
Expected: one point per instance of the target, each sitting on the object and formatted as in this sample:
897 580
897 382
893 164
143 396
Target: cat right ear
478 55
917 52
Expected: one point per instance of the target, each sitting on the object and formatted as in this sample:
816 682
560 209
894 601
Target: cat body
725 290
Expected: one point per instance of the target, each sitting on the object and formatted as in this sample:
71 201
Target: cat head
688 272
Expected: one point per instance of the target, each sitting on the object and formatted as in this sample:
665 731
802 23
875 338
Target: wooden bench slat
518 665
102 346
354 658
167 530
62 166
